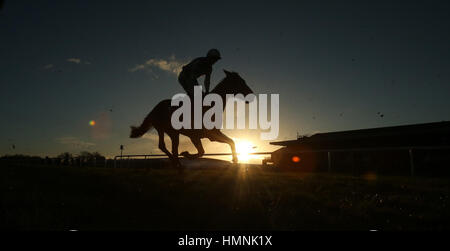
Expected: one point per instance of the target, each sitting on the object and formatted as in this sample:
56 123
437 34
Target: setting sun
244 150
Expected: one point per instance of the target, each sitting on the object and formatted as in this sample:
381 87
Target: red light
295 159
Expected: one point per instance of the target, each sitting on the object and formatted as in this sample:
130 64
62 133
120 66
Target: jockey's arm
207 81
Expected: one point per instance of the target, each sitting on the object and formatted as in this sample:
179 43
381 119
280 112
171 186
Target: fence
145 156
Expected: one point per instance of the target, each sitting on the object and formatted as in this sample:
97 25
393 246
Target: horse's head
232 84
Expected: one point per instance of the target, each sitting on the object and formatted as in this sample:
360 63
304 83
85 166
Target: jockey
197 68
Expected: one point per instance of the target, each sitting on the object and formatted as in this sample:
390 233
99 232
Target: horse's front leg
200 151
218 136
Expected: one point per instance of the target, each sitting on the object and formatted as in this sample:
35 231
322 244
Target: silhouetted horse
160 119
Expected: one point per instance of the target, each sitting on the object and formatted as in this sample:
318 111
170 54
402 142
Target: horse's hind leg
162 144
175 138
218 136
200 151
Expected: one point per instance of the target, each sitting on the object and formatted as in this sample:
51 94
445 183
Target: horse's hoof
187 155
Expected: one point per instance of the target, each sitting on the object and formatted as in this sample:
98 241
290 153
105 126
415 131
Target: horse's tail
137 132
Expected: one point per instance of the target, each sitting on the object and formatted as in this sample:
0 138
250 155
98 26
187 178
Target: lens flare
295 159
101 126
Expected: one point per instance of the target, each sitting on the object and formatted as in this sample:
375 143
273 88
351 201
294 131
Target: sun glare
244 150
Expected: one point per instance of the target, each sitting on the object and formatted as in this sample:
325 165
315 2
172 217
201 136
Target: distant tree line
64 159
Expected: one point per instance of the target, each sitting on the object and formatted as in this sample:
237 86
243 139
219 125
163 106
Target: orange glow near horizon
295 159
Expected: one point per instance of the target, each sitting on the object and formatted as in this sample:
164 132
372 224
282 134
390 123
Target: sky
337 65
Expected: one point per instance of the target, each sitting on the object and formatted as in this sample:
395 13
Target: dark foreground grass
234 198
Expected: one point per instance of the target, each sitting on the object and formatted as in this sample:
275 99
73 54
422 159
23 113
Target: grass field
234 198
